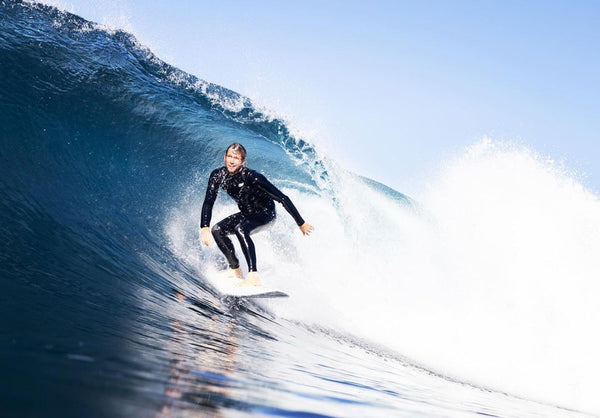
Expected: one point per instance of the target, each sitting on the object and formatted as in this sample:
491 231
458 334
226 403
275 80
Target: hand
306 228
206 236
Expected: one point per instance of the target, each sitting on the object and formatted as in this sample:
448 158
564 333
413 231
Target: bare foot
232 273
251 279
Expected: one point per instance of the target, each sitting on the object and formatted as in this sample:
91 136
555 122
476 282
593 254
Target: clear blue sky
392 88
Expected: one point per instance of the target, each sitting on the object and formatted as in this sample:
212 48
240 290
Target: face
233 161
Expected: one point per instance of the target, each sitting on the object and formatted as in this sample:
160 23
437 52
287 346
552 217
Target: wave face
101 140
104 159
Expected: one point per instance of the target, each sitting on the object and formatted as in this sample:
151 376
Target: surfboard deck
227 286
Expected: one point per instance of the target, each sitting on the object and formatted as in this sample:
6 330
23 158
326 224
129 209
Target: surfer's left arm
278 196
306 228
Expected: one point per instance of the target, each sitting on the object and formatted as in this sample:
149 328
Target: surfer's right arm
209 200
206 236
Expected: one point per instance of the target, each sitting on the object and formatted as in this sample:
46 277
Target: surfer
255 197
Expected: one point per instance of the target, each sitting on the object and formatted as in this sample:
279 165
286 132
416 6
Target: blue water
102 313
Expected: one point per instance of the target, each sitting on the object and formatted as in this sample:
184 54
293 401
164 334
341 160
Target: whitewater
475 295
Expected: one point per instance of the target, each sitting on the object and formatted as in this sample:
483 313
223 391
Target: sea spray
491 279
520 236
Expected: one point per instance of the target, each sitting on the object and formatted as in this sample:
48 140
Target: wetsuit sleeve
278 196
209 199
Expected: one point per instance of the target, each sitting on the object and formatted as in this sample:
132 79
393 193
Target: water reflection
203 359
221 358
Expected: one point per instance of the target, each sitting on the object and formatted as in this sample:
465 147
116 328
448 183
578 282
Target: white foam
496 285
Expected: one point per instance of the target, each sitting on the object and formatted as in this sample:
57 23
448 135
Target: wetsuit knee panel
240 230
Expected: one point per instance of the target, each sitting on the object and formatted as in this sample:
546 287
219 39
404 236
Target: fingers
306 228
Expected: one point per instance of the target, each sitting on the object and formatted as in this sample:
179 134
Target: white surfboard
228 286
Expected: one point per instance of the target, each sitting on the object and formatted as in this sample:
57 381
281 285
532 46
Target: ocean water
476 297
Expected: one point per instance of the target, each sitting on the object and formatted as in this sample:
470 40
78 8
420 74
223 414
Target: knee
240 231
216 230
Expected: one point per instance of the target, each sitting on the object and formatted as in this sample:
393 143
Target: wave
489 278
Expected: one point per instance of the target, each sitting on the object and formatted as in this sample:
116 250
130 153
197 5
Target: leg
220 232
243 231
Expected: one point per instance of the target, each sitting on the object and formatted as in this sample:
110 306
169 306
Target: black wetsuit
255 197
